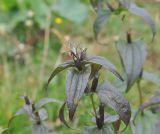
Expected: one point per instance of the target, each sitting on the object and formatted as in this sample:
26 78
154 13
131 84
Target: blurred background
33 36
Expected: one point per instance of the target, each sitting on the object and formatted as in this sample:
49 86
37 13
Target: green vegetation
34 35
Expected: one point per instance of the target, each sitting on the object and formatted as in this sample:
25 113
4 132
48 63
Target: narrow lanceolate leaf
61 115
133 56
107 129
154 78
24 110
154 100
75 86
133 8
102 17
103 62
111 97
45 101
60 68
125 3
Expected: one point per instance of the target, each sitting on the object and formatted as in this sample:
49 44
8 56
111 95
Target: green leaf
73 10
45 101
133 57
133 8
107 129
102 17
151 77
111 97
60 68
75 86
103 62
5 131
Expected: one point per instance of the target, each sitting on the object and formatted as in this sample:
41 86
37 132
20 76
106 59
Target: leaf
108 118
75 86
103 62
73 10
19 112
157 127
102 17
154 100
5 131
40 129
111 97
120 85
45 101
144 124
132 57
107 129
60 68
133 8
151 77
61 115
43 114
125 3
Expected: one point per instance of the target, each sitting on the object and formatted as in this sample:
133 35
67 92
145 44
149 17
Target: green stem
93 105
140 93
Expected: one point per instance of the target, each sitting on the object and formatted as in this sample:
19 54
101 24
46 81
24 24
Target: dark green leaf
133 8
75 86
151 77
103 62
45 101
111 97
102 17
107 129
133 57
60 68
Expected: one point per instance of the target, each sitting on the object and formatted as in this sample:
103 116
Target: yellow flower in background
58 20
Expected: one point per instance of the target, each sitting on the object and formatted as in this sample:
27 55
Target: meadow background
33 36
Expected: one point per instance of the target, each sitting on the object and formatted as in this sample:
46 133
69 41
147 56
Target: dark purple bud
27 101
95 83
129 39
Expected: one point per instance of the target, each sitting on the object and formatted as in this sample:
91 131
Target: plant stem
140 93
46 46
93 105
